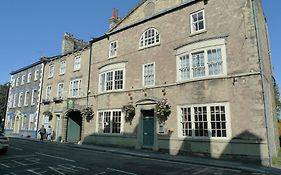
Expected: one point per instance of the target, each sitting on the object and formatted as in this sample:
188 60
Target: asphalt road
37 158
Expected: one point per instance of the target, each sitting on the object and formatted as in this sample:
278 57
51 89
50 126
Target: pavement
174 158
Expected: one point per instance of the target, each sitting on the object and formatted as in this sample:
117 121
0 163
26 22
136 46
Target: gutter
254 6
40 90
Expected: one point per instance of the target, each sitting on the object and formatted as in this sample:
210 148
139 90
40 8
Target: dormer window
149 38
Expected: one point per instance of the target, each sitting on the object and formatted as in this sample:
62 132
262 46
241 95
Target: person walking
49 133
42 132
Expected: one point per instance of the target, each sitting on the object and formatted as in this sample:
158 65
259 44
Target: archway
74 126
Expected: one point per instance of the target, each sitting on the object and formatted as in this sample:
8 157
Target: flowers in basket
163 110
129 110
88 113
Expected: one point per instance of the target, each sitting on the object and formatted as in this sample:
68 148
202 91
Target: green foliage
163 110
129 110
4 89
278 100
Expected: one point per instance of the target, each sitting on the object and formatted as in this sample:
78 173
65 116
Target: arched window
149 37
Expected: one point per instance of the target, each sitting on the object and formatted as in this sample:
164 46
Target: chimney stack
70 43
114 18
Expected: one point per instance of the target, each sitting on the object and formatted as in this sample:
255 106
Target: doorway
148 128
74 126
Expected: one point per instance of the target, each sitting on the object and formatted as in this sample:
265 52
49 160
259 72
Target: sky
30 29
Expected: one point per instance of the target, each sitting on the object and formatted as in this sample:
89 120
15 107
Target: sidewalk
181 159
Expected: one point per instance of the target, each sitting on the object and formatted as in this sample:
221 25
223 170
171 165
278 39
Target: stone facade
237 90
65 81
24 101
182 76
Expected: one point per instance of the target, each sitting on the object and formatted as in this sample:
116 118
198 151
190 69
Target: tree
4 89
278 100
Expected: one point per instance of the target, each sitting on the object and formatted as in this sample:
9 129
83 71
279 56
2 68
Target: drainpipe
269 140
89 73
40 90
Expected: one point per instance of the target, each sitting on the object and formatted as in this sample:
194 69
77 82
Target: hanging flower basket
48 113
163 110
88 113
129 111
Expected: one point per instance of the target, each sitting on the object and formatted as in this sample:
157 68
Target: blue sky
30 29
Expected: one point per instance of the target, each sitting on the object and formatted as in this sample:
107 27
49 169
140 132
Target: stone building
64 92
24 100
185 76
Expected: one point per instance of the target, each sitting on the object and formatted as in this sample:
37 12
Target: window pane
198 64
186 121
201 123
184 67
118 79
197 21
218 121
148 74
149 37
109 81
215 61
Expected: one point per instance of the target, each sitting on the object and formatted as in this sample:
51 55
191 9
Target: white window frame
111 68
15 100
22 79
48 92
51 71
20 99
100 129
58 90
203 46
33 97
29 77
71 88
143 74
113 50
103 83
192 23
36 74
62 67
144 41
17 81
26 98
227 119
77 63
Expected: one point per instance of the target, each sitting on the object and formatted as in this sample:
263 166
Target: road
43 158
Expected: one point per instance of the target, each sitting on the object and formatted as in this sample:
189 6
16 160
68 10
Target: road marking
194 165
201 171
17 148
47 155
120 171
101 173
135 154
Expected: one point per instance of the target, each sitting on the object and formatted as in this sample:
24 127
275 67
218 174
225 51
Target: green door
73 131
148 131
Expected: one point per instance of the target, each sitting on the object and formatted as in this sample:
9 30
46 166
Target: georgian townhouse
64 91
24 100
189 76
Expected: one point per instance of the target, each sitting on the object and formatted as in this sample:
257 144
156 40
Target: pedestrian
49 133
42 132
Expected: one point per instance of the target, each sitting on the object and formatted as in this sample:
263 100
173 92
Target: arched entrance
74 126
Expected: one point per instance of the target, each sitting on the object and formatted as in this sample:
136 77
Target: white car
4 143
